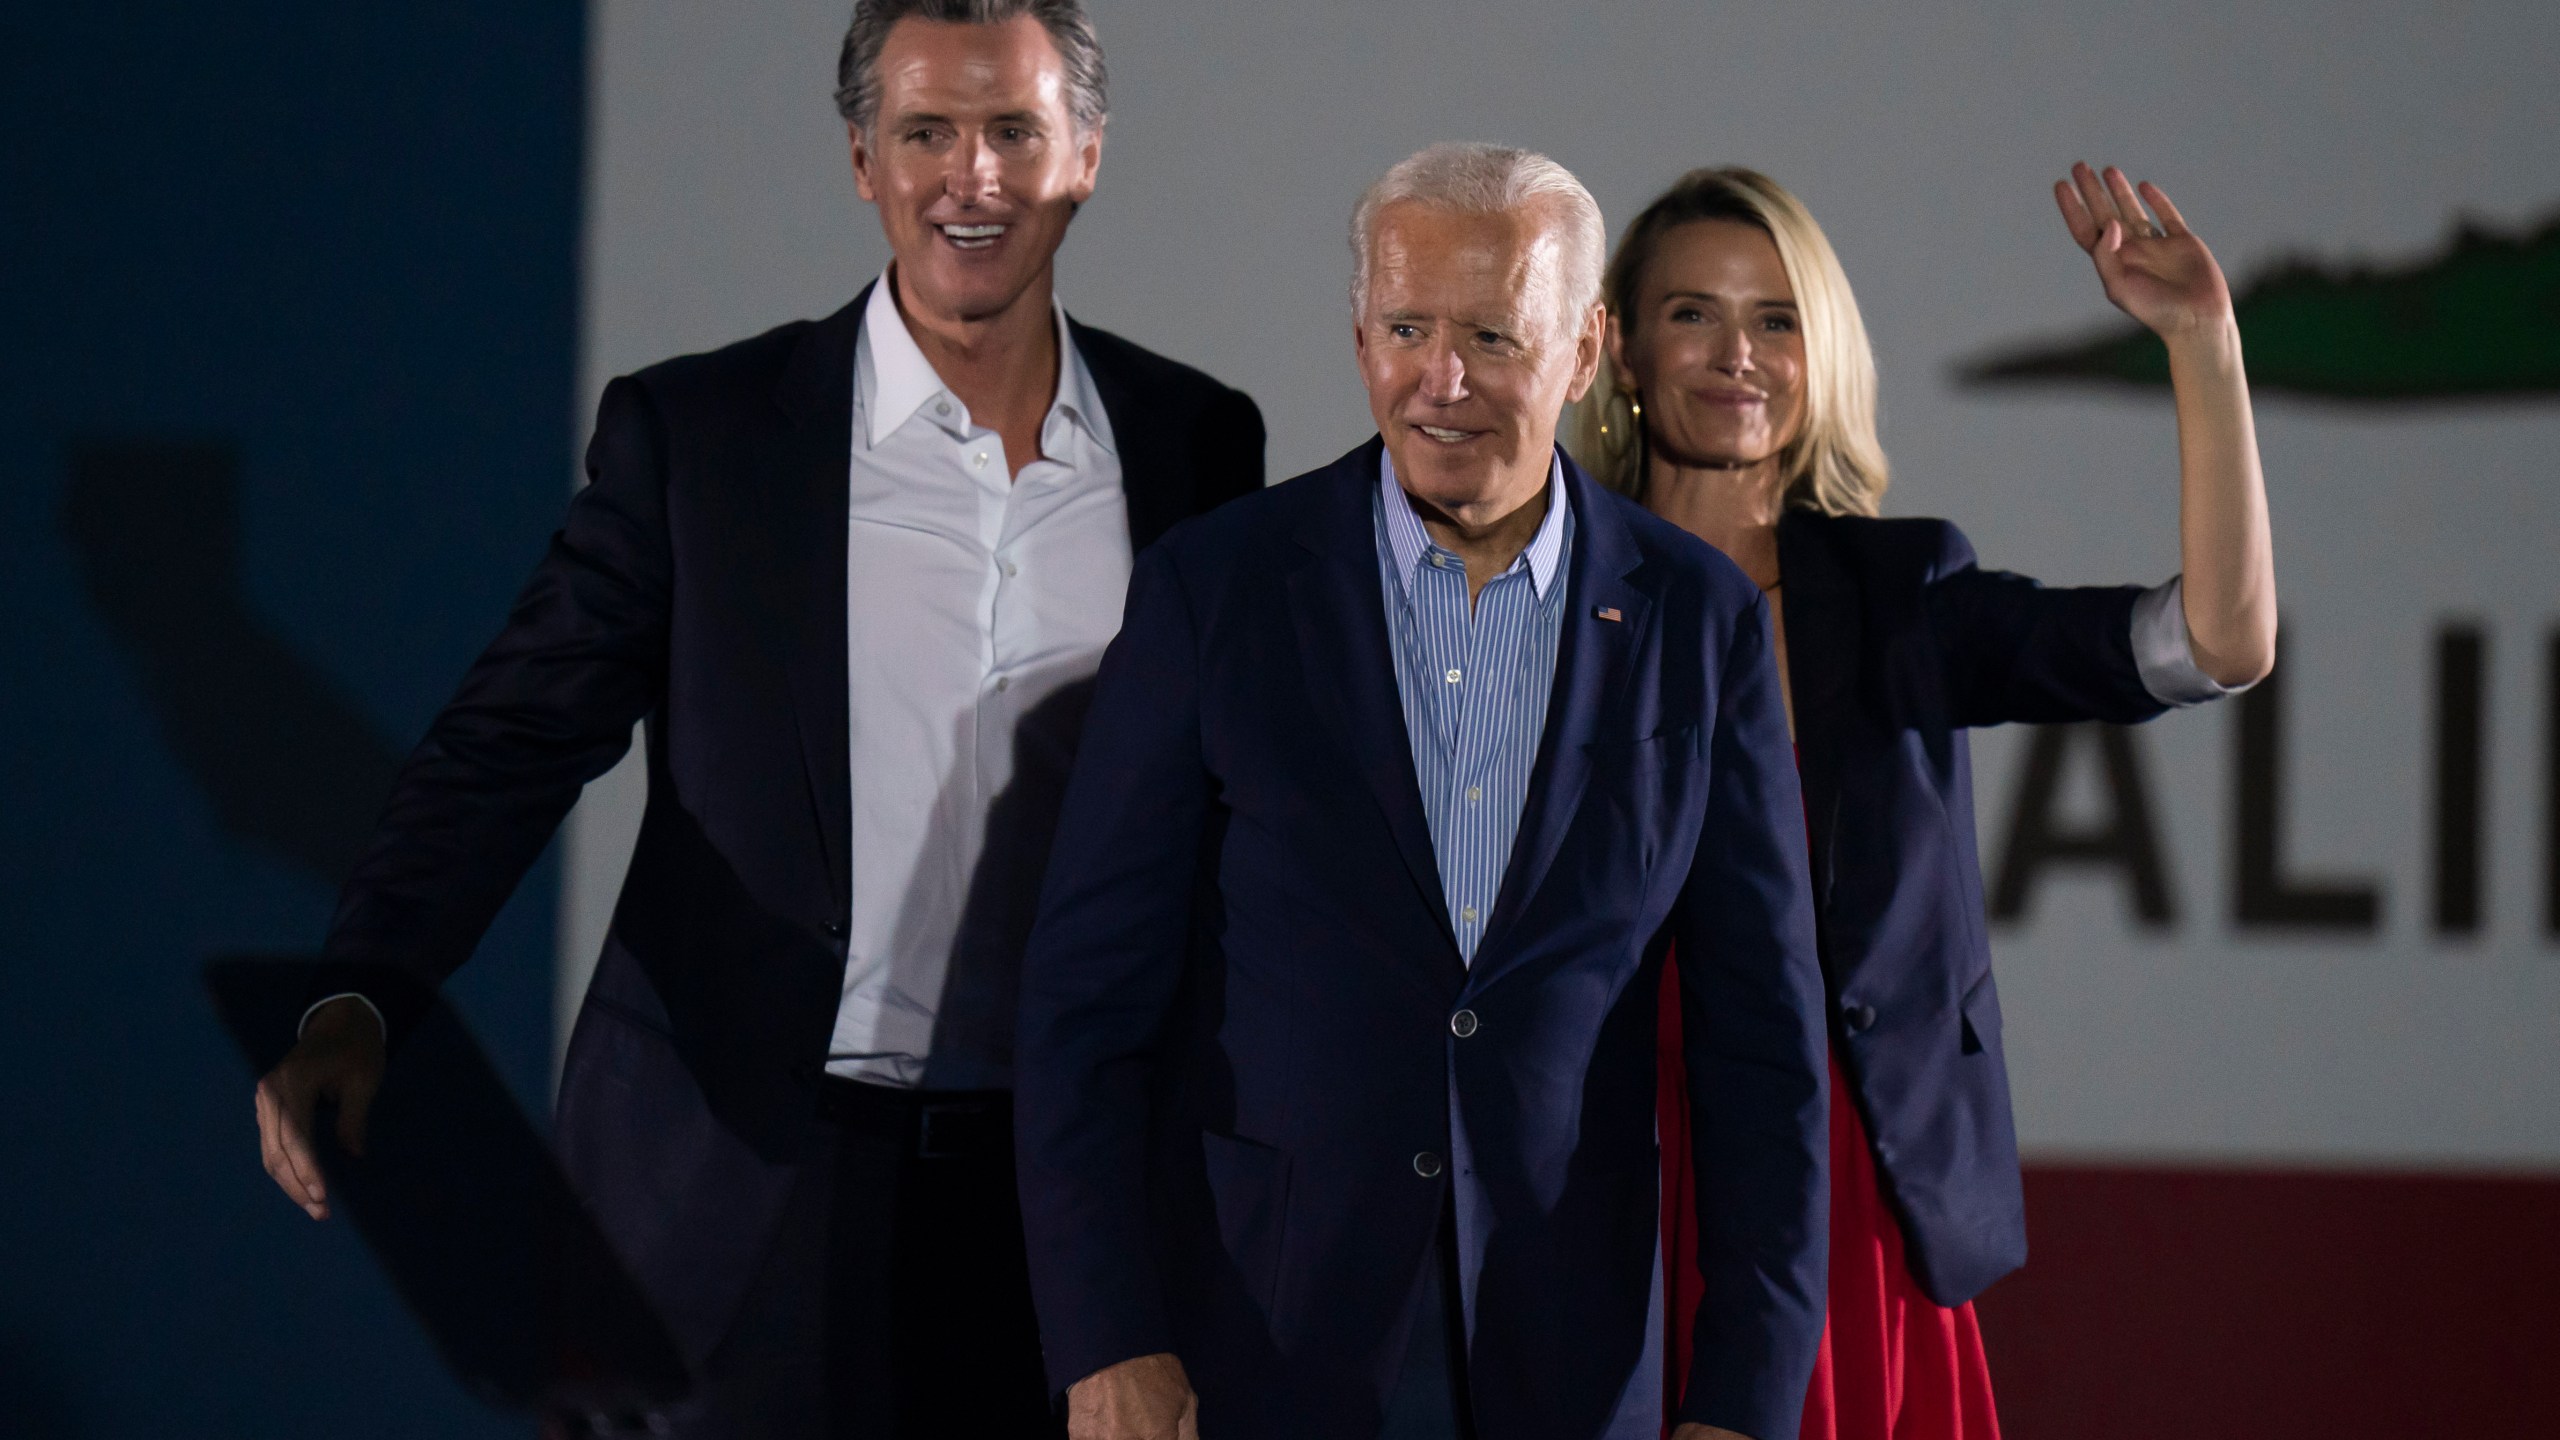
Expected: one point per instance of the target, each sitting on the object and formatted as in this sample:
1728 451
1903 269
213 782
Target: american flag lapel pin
1608 613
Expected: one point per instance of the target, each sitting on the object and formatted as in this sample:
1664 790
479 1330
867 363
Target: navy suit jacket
1237 1045
1896 642
699 583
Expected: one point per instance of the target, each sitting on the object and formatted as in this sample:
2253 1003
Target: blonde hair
1835 464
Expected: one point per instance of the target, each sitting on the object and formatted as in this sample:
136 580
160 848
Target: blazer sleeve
2012 649
548 706
1098 983
1756 1050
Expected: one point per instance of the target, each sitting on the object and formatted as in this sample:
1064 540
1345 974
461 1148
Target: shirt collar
897 380
1411 544
1077 398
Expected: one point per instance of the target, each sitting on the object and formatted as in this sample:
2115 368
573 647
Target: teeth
973 236
1436 433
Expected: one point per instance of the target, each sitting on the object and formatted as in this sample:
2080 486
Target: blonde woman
1740 403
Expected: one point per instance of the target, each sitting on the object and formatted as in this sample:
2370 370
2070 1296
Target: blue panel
285 416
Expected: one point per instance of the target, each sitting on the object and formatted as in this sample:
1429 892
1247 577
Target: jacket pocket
1668 747
1981 1010
1249 1186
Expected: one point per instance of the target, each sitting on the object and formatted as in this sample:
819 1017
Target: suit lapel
1592 658
1821 612
1341 620
807 534
1153 479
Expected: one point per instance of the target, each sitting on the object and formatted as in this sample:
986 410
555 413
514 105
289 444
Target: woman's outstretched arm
2161 274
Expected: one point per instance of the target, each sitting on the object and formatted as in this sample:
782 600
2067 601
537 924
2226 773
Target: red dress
1894 1364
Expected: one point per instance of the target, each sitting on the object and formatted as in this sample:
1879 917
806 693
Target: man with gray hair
1404 782
856 574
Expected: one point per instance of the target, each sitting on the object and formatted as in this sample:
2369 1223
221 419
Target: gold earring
1635 407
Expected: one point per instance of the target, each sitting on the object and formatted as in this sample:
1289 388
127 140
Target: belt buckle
947 1132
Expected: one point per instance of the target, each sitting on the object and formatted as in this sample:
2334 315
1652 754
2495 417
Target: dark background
286 414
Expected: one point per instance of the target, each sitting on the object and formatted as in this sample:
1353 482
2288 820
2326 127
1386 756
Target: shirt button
978 461
942 407
1426 1164
1463 1024
1004 682
1451 677
1468 914
1011 569
1474 793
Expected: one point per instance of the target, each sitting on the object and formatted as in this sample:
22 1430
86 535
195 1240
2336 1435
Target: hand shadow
289 763
475 1225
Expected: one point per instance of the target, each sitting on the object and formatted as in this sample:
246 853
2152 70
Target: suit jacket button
1858 1017
836 928
1463 1024
1426 1164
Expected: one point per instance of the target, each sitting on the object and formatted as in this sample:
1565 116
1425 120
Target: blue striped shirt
1474 687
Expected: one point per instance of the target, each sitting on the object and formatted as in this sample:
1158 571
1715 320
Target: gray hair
1477 179
1070 29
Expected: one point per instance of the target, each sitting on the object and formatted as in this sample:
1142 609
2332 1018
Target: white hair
1477 179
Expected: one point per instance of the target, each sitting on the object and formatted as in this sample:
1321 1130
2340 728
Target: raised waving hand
2158 272
2155 268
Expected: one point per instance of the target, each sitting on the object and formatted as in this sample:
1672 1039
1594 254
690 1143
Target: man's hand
1695 1431
1148 1398
339 1058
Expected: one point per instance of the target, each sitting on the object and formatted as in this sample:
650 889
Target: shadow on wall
289 764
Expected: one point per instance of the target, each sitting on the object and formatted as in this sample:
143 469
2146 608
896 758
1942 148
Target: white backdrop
1924 137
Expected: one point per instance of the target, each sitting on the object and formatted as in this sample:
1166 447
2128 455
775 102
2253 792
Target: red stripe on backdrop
2210 1304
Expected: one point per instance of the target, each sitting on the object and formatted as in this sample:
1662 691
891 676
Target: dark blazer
1896 642
699 583
1254 1071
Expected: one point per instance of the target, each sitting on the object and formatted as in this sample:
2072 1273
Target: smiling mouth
972 237
1446 436
1735 398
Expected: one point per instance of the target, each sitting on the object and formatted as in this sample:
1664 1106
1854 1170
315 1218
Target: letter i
2551 793
2462 663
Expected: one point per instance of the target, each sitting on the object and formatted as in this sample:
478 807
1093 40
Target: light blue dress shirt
1474 685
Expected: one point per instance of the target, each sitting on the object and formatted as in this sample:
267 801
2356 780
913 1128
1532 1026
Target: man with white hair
1403 782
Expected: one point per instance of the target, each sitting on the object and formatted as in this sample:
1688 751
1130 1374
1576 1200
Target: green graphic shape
2480 319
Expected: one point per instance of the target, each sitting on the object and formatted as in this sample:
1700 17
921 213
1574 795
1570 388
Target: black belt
935 1124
